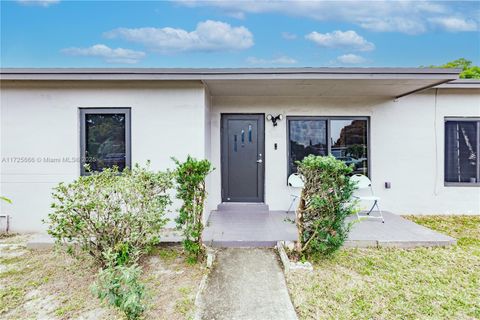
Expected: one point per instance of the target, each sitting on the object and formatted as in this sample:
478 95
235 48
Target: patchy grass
4 235
422 283
184 306
51 285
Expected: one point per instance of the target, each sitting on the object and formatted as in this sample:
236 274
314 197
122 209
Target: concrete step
242 206
241 243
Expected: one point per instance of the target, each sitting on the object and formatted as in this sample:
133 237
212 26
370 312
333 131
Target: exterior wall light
274 119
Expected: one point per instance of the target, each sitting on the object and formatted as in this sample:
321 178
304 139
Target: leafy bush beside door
190 177
324 205
115 217
111 211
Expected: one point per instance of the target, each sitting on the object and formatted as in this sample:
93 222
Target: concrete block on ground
40 242
289 265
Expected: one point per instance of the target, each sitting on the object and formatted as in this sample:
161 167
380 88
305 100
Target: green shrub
119 285
190 177
111 211
324 205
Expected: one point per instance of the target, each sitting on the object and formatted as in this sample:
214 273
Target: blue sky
55 33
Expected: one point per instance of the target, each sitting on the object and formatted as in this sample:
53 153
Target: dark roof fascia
224 73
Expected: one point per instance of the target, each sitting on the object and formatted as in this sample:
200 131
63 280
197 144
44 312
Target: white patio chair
363 183
295 180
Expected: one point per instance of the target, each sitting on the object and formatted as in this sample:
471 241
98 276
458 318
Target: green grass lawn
422 283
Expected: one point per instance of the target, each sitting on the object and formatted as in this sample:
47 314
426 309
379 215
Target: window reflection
105 140
461 151
348 140
306 137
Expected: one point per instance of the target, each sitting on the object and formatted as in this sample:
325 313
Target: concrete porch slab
265 228
249 228
395 232
239 229
43 241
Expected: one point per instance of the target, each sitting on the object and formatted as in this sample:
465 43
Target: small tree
190 177
111 211
324 205
469 71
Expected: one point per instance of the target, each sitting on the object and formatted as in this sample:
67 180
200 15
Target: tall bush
324 205
111 211
190 177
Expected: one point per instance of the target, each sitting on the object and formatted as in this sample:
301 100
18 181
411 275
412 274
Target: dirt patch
49 284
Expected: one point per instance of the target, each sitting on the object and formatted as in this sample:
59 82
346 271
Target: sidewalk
246 283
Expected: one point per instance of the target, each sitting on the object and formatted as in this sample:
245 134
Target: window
105 138
461 151
346 138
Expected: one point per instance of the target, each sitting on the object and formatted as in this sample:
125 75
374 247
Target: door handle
259 161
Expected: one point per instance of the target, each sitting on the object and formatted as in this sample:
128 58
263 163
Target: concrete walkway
246 284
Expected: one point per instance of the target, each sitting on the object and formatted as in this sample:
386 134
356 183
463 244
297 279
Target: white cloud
351 59
341 39
118 55
236 14
289 36
454 24
208 36
406 16
274 61
400 24
42 3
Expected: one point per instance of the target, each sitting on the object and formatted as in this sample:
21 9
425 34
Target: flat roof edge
203 73
229 70
461 84
177 74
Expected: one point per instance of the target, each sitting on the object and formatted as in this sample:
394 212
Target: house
414 132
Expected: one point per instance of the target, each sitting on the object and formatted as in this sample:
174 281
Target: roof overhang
461 84
388 82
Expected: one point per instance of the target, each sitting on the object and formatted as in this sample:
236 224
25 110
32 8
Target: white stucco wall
403 147
208 144
41 120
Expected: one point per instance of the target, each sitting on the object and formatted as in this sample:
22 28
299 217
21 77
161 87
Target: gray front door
243 149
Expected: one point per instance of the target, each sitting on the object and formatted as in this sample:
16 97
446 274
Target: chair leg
291 203
371 209
375 204
380 211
